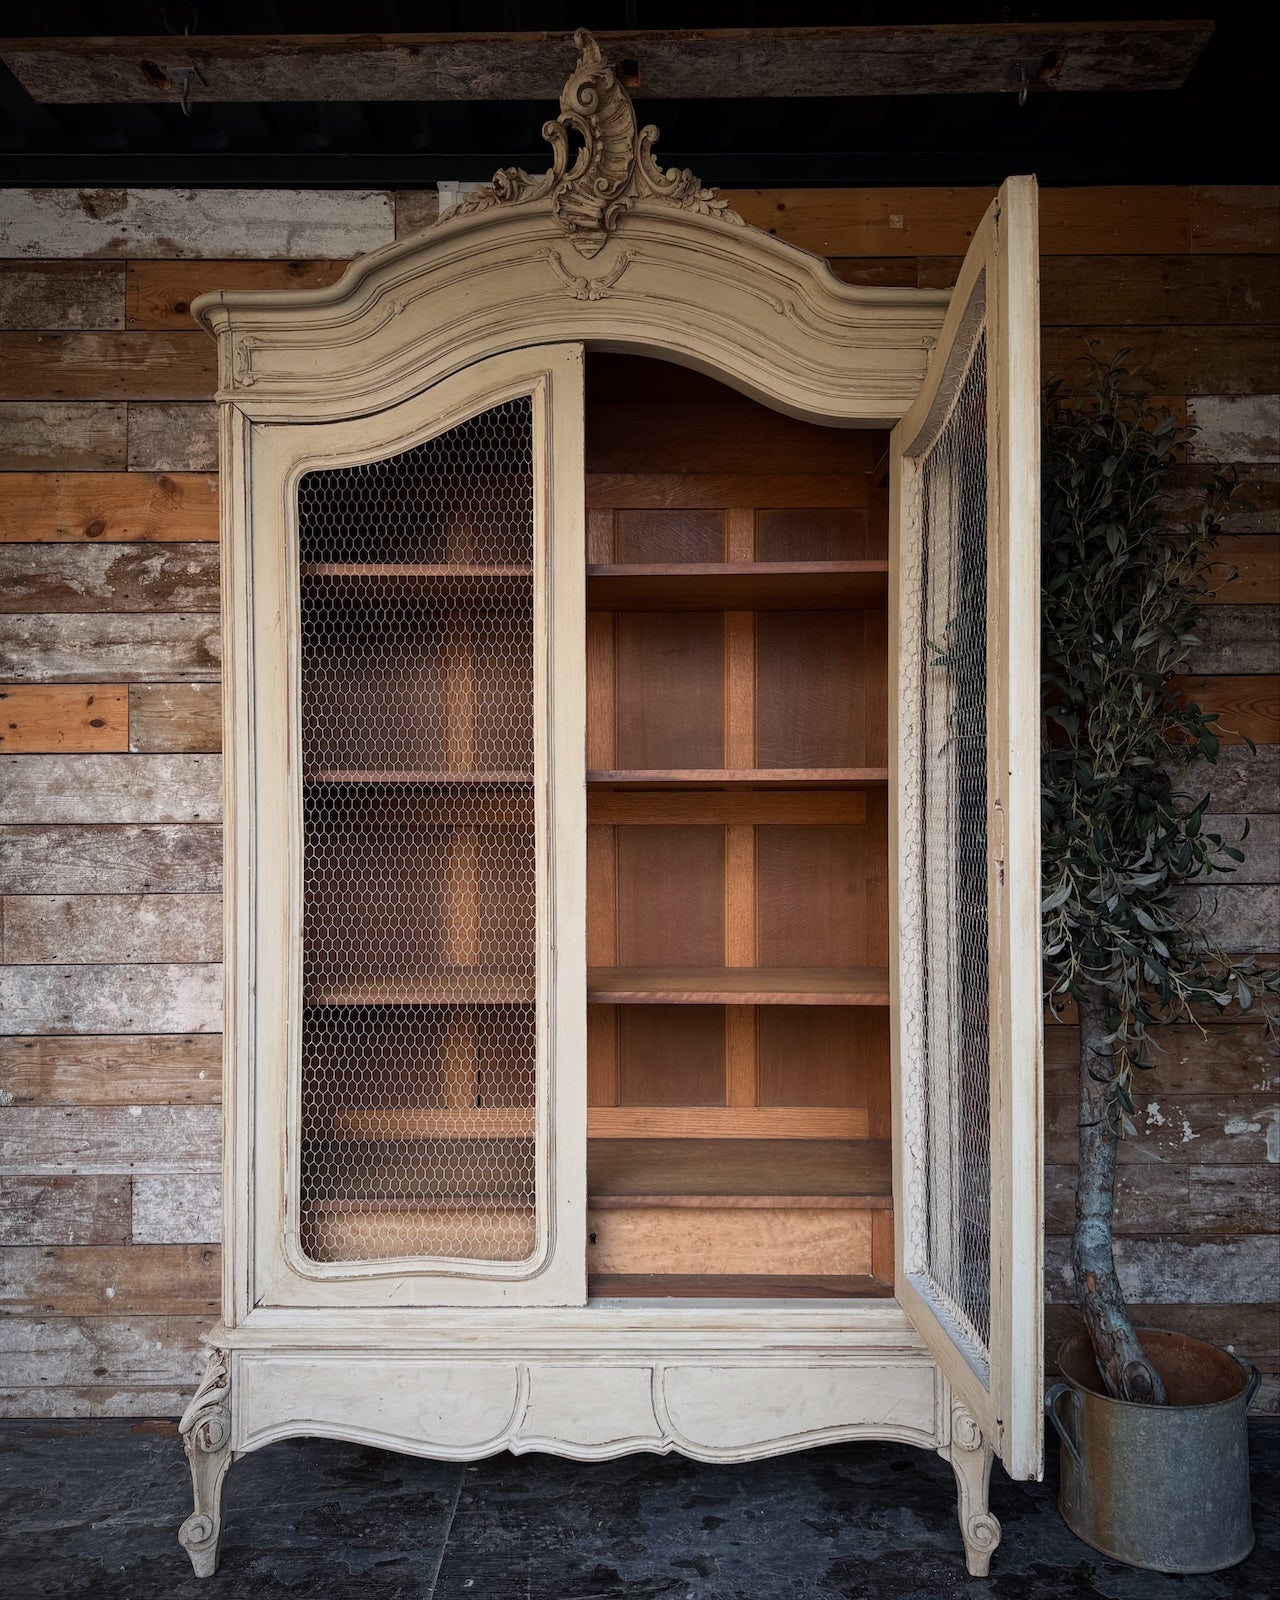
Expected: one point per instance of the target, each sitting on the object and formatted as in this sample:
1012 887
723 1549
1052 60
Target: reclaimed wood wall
110 797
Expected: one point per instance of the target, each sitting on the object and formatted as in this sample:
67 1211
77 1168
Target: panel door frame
266 1266
999 282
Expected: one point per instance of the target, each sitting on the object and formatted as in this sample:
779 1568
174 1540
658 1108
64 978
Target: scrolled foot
206 1435
970 1458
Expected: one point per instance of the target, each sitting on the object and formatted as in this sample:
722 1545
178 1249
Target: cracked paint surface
90 1509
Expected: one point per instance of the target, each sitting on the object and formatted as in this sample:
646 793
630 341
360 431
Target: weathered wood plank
711 63
1237 639
886 272
169 437
93 928
1209 1130
1260 848
1237 1199
159 1401
62 294
1169 290
108 507
1239 359
175 717
55 1352
39 718
158 294
64 1209
104 859
112 1070
1227 1269
1226 1059
1240 779
177 1208
1242 217
1137 220
1151 1198
107 1139
1237 427
1255 511
1248 707
129 788
42 436
92 647
107 366
296 224
172 1280
131 577
1255 560
112 999
416 209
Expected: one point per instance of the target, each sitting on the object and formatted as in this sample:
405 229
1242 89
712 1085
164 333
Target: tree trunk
1125 1369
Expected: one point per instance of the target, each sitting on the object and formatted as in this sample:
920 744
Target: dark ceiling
1219 128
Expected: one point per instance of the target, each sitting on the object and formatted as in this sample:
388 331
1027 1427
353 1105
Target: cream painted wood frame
997 294
611 254
267 867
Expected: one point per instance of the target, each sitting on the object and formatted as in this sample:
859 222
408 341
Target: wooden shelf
446 986
739 986
742 1174
439 571
426 1122
392 775
740 586
739 1286
728 1122
640 1124
668 806
800 778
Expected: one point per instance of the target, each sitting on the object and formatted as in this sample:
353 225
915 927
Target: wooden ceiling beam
738 63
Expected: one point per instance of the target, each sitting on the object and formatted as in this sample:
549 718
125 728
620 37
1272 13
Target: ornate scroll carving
614 168
970 1458
206 1434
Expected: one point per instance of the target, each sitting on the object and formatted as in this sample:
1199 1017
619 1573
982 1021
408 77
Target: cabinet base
477 1388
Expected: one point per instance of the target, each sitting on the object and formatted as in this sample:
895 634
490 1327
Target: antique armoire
631 706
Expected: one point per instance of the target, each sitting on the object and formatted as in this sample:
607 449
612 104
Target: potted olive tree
1155 1465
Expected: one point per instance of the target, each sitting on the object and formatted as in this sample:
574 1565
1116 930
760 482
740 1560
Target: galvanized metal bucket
1161 1487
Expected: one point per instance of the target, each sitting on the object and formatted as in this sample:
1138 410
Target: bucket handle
1051 1411
1253 1380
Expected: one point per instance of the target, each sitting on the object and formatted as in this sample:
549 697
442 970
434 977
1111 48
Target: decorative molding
587 1407
206 1435
580 287
615 166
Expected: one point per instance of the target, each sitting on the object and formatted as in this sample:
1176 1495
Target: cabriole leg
206 1434
970 1458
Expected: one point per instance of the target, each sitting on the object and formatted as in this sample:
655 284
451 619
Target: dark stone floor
90 1509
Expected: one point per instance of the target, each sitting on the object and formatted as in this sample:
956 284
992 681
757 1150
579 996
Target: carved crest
614 168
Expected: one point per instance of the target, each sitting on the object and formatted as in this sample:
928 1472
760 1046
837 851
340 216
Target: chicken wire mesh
419 1053
952 711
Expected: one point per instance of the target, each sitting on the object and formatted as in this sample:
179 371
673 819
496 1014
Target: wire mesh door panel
944 818
419 1036
953 856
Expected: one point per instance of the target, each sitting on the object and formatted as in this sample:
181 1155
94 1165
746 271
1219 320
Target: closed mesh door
419 1034
945 962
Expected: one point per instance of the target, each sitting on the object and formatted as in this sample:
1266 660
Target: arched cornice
610 251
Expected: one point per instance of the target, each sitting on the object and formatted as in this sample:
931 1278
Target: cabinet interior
737 855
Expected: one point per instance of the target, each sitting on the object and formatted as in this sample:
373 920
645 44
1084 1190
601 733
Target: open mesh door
966 813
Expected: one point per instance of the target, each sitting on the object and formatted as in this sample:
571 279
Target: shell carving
614 168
